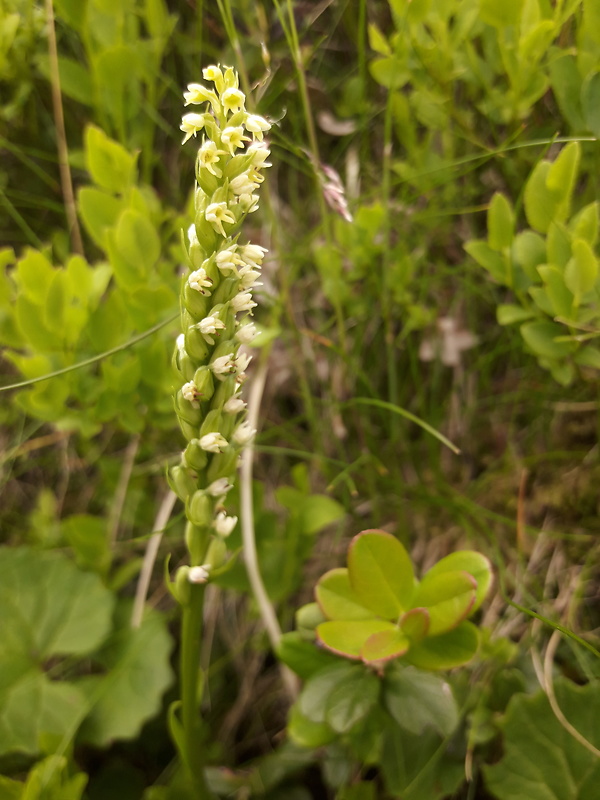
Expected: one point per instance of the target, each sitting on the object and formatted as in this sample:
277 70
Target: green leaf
584 225
451 649
541 203
501 222
489 259
559 295
588 356
501 14
347 638
337 598
448 597
542 760
313 698
75 79
474 564
590 102
415 624
529 251
318 511
419 700
137 241
49 609
88 536
563 172
384 645
540 337
34 274
306 733
99 212
107 161
558 245
419 767
351 699
566 84
381 573
303 657
138 674
389 72
377 41
507 314
581 272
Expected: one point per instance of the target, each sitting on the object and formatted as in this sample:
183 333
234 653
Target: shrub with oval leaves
376 610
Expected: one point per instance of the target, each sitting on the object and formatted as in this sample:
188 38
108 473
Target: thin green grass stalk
291 35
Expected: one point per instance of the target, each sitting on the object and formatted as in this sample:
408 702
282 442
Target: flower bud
223 465
181 482
195 344
181 587
216 553
196 540
194 456
204 383
199 509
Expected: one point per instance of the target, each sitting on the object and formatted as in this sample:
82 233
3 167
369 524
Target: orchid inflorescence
217 302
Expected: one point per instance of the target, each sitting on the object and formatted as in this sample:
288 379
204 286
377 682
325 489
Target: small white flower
234 405
217 214
189 392
199 281
243 434
246 333
249 277
198 574
248 202
209 327
196 93
259 154
257 125
242 184
223 365
180 343
191 124
223 524
253 254
241 362
242 302
233 99
232 138
219 487
208 156
213 442
228 260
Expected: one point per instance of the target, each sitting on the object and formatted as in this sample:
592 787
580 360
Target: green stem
189 669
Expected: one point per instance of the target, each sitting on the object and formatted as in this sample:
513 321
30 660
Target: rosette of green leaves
376 610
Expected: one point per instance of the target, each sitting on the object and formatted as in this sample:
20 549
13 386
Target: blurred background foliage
433 237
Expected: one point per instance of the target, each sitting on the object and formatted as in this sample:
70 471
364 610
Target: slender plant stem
189 671
121 491
61 136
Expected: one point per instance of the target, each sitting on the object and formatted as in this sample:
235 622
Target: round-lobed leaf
474 564
448 597
451 649
337 599
381 573
347 638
